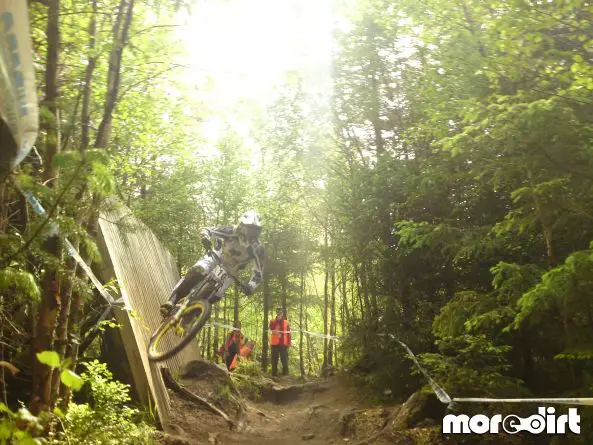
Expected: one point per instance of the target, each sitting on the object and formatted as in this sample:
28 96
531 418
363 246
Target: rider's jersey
236 257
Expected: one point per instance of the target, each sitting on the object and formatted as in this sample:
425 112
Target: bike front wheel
176 332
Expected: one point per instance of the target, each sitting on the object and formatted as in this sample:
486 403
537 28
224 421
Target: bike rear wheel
172 336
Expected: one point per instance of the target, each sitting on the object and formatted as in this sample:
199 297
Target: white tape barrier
18 98
438 390
54 229
566 401
312 334
445 398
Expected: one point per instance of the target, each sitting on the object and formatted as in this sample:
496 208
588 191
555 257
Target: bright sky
242 50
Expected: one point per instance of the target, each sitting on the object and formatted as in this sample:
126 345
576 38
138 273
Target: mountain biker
237 246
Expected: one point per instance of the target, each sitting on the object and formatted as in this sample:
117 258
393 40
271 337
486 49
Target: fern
18 282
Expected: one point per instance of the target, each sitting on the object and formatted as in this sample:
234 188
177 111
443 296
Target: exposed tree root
171 383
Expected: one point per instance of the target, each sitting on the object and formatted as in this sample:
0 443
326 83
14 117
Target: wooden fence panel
146 273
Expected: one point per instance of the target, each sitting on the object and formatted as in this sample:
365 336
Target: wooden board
146 273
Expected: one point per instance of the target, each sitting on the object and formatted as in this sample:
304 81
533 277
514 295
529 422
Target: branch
49 214
150 28
146 79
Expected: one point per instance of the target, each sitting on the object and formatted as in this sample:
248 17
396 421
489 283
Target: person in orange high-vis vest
231 348
280 341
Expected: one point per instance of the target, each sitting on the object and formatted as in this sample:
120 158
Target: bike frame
218 274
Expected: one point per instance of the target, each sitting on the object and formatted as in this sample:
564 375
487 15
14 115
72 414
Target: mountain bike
189 315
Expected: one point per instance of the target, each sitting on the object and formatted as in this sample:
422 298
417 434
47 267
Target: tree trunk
203 343
71 309
365 286
120 39
345 311
61 341
264 340
216 333
50 299
76 306
236 305
311 352
359 293
376 120
332 325
301 305
546 225
325 297
88 80
208 342
283 293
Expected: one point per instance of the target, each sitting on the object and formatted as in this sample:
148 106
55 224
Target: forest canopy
425 171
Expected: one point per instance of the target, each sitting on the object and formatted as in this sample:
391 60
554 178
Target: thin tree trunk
208 343
120 37
309 347
346 316
76 306
264 340
301 305
3 207
376 121
2 373
545 223
365 287
71 309
283 293
313 356
236 305
203 343
332 325
359 293
61 341
325 296
88 80
216 334
50 299
114 76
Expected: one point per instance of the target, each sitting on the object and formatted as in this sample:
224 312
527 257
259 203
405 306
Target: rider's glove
207 243
248 288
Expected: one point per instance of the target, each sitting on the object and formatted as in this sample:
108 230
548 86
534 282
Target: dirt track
288 412
319 413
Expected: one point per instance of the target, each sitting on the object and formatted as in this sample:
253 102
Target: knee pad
203 266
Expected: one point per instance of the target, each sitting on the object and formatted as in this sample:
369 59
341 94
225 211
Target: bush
473 366
107 420
249 367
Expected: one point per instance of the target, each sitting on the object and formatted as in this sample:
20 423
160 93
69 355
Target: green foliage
443 193
49 358
22 283
71 379
473 366
452 319
245 376
67 377
248 367
19 428
462 187
107 419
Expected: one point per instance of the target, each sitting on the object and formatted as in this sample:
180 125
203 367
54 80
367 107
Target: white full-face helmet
248 228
